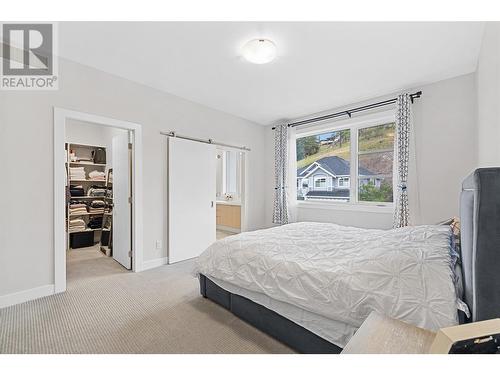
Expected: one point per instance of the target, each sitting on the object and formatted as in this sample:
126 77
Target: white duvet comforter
344 273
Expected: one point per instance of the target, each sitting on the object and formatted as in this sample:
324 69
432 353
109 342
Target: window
324 158
319 182
344 182
375 160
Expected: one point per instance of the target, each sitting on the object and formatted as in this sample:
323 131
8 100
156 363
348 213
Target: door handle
212 204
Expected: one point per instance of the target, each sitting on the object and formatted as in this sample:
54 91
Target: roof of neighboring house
334 165
335 193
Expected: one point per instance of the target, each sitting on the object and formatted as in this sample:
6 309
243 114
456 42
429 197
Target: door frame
61 115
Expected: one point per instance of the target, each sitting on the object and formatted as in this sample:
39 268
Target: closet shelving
86 163
81 155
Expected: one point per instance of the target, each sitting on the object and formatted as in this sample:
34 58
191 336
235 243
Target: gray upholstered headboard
480 242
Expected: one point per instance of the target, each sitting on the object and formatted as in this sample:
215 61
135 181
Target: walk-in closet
98 190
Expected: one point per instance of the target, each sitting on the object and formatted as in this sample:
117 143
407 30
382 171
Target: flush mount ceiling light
259 51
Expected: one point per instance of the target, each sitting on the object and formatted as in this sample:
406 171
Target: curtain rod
208 141
349 112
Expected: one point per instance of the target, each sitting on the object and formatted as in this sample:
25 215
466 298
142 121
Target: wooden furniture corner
382 335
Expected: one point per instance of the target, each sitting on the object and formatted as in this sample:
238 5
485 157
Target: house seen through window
324 165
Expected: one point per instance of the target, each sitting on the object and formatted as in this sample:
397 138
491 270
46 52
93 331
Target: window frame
354 125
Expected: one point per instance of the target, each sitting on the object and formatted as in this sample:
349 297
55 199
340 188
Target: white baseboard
153 263
26 295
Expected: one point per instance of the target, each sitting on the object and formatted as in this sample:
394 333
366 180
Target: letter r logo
27 49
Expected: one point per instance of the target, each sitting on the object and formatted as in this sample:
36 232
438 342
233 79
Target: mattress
341 274
336 332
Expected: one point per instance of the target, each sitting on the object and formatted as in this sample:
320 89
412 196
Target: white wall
488 97
26 159
445 134
86 133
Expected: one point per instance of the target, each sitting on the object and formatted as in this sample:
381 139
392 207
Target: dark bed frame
480 258
268 321
480 242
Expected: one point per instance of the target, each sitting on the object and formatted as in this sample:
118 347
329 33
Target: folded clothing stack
77 173
96 207
77 208
76 190
96 191
95 222
76 225
97 176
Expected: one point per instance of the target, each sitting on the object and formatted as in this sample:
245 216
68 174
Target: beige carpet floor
107 309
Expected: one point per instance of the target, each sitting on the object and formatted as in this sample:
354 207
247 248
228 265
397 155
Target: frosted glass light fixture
259 51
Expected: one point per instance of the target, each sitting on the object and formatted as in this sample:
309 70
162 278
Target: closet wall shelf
86 230
94 181
87 214
86 163
86 145
87 197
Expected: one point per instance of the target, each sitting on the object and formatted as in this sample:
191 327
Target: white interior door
191 198
122 232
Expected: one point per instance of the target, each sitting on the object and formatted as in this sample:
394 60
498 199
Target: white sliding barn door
191 198
122 224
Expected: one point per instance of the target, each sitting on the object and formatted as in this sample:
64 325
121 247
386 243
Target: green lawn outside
325 150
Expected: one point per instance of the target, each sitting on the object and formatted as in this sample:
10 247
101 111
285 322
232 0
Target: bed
311 285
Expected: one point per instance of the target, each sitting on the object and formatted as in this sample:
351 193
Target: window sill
359 207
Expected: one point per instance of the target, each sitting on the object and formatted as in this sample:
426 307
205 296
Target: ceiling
320 65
